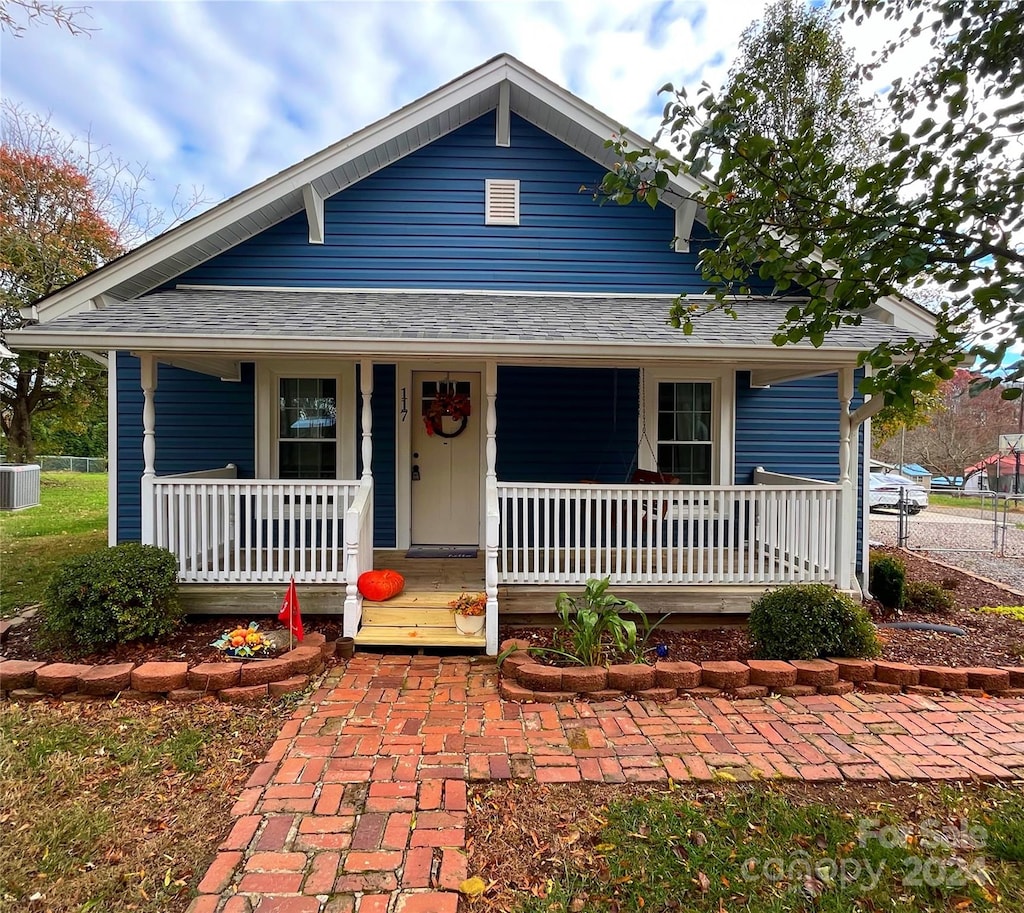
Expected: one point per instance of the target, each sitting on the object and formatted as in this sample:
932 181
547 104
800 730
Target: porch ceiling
367 323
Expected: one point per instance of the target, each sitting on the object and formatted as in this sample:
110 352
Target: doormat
441 551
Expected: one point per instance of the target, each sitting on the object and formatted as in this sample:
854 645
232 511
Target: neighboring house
913 471
996 473
277 366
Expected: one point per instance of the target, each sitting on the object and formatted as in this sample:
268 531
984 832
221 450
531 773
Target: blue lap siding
566 424
201 423
419 223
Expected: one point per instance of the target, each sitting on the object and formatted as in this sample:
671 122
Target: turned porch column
366 391
148 373
846 534
493 518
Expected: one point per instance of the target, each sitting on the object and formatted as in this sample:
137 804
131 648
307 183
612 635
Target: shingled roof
358 321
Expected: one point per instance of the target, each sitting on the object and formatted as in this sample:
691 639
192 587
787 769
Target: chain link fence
68 463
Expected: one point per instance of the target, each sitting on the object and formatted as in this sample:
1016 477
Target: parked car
885 488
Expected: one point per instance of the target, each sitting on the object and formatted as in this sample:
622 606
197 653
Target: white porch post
847 533
357 526
492 515
148 375
366 389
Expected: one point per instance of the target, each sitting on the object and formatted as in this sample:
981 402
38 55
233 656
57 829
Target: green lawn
766 850
946 500
71 519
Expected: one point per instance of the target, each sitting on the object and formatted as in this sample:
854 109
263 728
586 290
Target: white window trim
723 411
268 378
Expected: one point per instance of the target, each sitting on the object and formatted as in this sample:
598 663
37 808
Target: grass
765 849
109 807
70 520
969 500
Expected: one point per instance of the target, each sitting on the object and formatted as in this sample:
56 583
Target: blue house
425 339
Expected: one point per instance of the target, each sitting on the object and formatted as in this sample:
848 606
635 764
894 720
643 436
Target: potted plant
470 610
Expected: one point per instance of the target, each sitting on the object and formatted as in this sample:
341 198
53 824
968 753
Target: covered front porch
674 547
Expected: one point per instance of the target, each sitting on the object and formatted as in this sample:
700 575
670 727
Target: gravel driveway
963 536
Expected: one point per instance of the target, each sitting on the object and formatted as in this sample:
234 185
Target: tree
793 73
17 15
944 206
66 207
962 427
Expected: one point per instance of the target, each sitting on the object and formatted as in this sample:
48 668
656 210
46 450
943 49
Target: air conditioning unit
19 486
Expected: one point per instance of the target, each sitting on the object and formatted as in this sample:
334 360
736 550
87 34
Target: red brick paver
360 805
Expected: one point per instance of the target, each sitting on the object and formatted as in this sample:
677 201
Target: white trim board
112 447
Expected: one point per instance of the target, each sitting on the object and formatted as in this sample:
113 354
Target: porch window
307 446
684 443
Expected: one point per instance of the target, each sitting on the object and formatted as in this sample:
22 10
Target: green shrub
887 581
807 621
112 596
923 596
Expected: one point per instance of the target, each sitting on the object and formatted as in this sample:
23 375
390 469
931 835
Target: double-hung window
685 439
307 432
688 426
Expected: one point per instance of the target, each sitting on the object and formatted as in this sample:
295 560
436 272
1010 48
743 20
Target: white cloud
223 94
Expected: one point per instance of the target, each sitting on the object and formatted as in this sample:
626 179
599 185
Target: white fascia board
291 180
248 347
314 203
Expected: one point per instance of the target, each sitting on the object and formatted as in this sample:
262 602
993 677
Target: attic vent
501 204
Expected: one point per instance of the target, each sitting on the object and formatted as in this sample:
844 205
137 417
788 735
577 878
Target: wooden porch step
394 635
414 615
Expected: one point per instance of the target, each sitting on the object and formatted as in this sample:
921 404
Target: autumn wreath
456 406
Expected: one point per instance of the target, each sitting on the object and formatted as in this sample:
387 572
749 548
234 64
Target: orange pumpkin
379 586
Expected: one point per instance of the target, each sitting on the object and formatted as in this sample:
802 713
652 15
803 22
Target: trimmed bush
808 621
112 596
923 596
887 581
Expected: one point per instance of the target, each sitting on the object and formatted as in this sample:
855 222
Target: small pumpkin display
380 585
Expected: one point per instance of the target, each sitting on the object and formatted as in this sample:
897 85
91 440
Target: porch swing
635 475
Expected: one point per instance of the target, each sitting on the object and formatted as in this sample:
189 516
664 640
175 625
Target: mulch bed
992 640
190 642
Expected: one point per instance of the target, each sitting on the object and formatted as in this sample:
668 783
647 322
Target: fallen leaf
703 882
473 887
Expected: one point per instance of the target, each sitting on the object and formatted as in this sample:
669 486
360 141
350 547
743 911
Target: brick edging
231 682
524 679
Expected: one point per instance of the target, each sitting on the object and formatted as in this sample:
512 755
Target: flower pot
470 624
345 648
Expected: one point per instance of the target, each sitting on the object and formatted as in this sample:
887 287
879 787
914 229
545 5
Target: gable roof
503 84
501 81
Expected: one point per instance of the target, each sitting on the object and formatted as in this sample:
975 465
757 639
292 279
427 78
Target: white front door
446 458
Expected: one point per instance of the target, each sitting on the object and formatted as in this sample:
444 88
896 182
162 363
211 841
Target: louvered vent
501 203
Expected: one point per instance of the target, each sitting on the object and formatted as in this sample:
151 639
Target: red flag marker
290 614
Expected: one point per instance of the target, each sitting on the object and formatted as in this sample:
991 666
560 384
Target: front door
446 458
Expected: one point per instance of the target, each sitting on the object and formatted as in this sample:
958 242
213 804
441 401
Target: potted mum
469 609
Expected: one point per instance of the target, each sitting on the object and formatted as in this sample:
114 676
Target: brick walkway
360 805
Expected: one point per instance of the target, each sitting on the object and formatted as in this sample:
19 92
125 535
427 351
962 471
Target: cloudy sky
222 94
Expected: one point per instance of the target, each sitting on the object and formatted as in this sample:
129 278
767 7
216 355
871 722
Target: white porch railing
667 534
227 530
